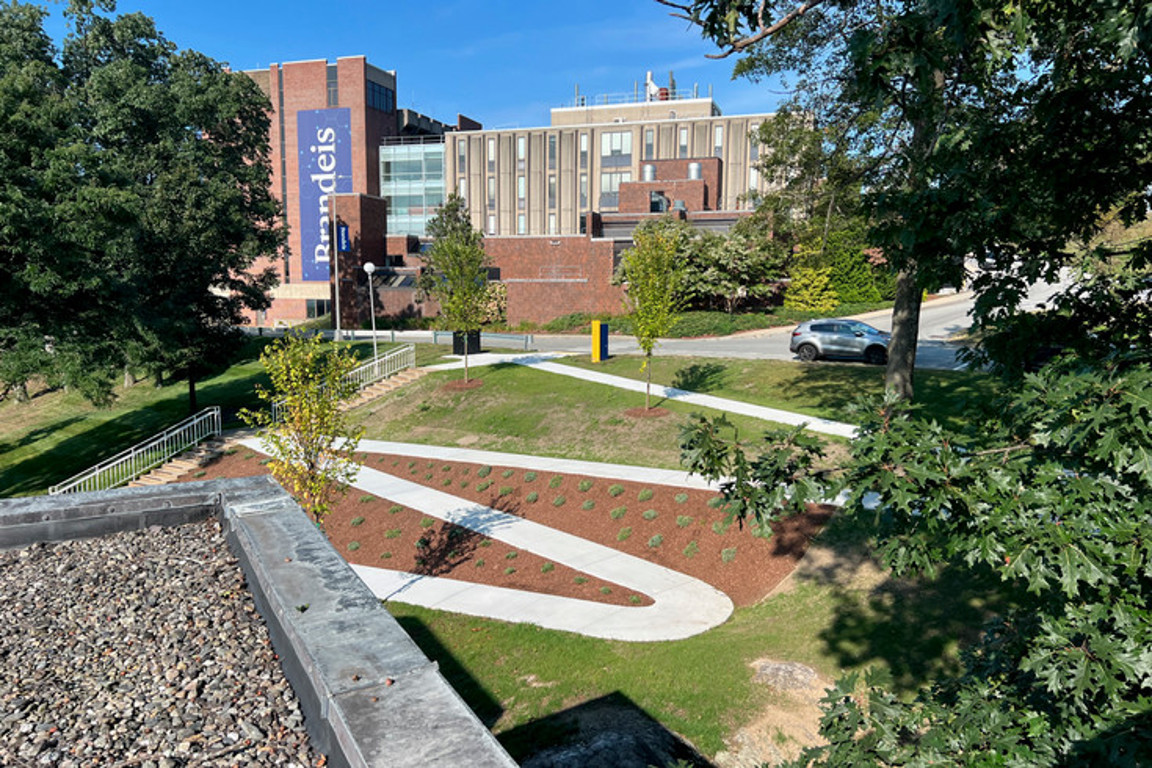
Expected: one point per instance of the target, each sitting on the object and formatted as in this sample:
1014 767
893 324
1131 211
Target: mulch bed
675 527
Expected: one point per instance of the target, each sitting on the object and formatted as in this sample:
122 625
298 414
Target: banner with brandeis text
324 146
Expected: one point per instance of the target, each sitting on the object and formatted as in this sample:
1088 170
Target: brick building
557 204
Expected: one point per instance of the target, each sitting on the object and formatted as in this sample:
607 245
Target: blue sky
500 62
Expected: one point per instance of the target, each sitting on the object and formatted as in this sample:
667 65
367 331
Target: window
521 191
491 224
491 155
616 149
583 151
461 156
552 191
610 188
718 141
521 151
381 97
333 87
583 191
462 188
551 153
521 224
683 143
649 143
491 192
318 308
551 223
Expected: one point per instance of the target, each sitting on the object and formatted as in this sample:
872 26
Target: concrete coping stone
370 696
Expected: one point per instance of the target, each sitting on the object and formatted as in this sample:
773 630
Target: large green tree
981 127
140 204
457 270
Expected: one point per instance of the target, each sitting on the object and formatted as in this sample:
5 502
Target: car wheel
807 353
875 356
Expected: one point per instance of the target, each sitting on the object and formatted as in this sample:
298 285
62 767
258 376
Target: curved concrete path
542 362
683 606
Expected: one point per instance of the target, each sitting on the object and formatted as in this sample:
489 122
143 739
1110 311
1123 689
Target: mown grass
57 433
521 410
827 391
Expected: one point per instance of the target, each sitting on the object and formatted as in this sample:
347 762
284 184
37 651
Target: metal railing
144 456
382 367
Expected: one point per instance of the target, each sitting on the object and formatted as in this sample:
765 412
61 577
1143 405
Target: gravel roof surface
140 649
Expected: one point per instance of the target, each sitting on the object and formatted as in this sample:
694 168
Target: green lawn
824 390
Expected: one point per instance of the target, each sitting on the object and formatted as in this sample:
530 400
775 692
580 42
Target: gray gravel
140 649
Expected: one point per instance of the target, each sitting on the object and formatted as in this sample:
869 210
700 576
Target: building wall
552 276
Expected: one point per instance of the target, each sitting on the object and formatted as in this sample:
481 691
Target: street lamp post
369 267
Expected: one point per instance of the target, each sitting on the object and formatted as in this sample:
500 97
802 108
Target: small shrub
480 563
635 599
559 501
385 555
532 497
728 555
716 502
392 533
357 521
618 513
422 543
396 463
231 451
395 509
625 532
411 465
650 514
421 561
249 456
448 482
483 472
505 490
585 486
644 495
555 481
465 471
427 522
655 541
605 590
681 498
547 568
509 571
579 580
683 521
588 505
615 490
486 543
201 473
446 468
431 464
511 555
427 475
353 546
529 476
367 498
464 483
720 527
691 550
507 474
265 462
484 485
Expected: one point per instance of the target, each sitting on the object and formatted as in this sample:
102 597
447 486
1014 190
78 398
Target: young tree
309 437
457 275
653 280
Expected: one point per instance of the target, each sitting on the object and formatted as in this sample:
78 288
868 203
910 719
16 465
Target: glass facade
412 181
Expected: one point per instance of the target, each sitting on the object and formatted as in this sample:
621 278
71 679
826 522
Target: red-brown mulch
675 527
647 413
459 385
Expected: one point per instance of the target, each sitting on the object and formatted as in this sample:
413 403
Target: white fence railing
382 367
142 457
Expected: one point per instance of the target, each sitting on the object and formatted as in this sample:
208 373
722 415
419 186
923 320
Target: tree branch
763 29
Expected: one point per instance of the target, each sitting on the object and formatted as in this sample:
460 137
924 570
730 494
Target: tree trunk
129 378
192 393
905 328
648 387
465 358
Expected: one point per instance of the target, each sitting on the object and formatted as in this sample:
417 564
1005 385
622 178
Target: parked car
840 338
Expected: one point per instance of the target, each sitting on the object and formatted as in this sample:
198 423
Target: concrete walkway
543 362
683 606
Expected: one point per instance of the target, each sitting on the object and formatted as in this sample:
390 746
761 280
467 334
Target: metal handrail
144 456
381 367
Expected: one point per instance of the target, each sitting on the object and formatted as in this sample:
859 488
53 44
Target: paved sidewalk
542 362
684 606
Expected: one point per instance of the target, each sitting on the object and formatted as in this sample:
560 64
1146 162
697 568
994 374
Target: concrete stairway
383 387
188 461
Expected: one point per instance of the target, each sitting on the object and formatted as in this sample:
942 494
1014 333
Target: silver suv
840 338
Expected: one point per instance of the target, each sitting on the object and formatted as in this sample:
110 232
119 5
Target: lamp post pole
369 267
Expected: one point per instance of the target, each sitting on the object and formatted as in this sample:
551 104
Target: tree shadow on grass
914 627
700 377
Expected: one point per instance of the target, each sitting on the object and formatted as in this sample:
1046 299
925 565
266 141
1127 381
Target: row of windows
381 97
